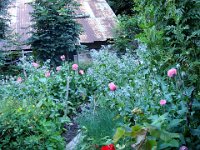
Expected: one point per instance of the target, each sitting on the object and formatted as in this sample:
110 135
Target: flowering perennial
62 57
112 86
81 72
36 65
74 67
172 72
47 74
19 80
58 68
163 102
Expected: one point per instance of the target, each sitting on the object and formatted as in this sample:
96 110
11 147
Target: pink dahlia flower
112 86
58 68
172 72
36 65
81 72
19 80
163 102
47 74
74 67
62 57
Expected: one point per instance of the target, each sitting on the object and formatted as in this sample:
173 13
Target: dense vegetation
3 17
148 97
121 7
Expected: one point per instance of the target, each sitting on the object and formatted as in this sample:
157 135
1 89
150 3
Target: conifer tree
55 32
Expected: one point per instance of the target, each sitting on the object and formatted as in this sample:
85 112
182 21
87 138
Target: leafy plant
4 18
33 126
98 125
55 32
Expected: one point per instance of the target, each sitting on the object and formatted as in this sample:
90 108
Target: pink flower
74 67
19 80
112 86
172 72
163 102
36 65
58 68
62 57
47 74
183 148
81 72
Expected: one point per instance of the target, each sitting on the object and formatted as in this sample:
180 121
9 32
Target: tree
3 17
121 6
55 32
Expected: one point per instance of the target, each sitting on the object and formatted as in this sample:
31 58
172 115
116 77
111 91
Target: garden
140 93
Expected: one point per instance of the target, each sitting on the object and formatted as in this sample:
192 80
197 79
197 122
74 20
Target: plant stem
67 96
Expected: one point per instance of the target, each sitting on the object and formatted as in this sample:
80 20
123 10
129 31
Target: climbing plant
55 30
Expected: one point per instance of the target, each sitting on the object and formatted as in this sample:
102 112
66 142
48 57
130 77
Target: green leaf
172 143
150 145
196 132
135 130
174 123
39 104
189 91
43 80
167 136
119 134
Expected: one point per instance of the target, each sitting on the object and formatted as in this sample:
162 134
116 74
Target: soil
71 131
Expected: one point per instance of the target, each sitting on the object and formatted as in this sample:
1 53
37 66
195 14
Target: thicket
170 31
55 31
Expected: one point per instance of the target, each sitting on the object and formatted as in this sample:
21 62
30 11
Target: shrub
55 32
125 34
34 126
4 18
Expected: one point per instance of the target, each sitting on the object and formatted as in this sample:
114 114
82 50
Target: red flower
108 147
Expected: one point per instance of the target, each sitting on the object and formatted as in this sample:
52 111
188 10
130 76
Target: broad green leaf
174 123
167 136
150 145
136 130
196 132
119 134
189 91
172 143
43 80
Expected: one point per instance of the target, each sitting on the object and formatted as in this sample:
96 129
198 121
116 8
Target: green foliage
139 91
121 7
55 32
4 17
140 87
125 34
169 33
32 126
98 124
149 136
